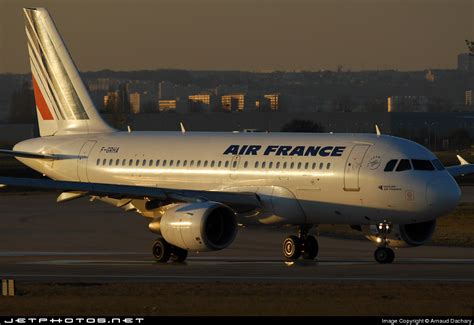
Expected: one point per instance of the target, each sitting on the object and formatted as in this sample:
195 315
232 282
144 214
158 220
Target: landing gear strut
303 244
163 251
384 254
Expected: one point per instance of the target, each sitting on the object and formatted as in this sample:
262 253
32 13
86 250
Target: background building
468 98
465 62
135 103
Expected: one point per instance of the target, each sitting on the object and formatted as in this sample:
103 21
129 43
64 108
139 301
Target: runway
79 241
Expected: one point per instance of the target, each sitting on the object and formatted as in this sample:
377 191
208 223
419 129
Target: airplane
197 188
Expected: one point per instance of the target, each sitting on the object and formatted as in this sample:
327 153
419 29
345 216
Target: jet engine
413 234
202 226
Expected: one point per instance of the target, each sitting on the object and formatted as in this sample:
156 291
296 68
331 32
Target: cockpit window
438 164
404 164
390 165
419 164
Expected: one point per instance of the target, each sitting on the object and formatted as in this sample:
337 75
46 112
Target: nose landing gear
303 244
384 254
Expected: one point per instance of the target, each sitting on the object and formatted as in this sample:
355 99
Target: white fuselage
300 178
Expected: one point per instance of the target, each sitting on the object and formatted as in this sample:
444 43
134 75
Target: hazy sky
248 34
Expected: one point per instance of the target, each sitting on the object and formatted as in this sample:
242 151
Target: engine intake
414 234
203 226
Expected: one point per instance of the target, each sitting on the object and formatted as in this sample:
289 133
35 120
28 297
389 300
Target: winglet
377 130
462 160
183 130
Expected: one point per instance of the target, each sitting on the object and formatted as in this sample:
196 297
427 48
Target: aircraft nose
443 194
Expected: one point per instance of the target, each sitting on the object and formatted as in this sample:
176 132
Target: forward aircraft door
352 169
83 159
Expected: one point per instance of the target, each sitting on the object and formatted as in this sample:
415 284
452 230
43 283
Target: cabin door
352 169
83 159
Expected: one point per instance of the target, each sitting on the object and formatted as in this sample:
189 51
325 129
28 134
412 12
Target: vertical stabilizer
63 105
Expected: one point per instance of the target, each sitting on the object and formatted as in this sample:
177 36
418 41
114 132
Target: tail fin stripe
63 103
43 87
41 103
53 68
39 72
44 81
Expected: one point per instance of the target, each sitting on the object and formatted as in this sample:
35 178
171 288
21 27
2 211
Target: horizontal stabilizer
35 155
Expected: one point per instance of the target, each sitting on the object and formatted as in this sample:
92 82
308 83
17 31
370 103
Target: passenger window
117 162
124 161
164 163
98 162
284 165
390 165
328 165
419 164
314 165
150 163
270 164
246 164
256 164
292 165
130 162
226 164
306 166
191 164
263 165
144 163
104 162
198 163
185 163
277 166
178 163
299 165
438 164
219 164
110 162
321 165
157 163
205 163
137 162
171 163
404 164
212 164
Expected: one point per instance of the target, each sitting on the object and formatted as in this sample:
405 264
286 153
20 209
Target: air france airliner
197 188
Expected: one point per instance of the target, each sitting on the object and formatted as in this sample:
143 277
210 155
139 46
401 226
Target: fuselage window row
219 164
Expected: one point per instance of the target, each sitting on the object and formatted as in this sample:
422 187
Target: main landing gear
384 254
163 251
302 245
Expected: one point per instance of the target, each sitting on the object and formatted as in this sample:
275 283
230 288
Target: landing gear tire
161 250
292 247
384 255
178 254
310 248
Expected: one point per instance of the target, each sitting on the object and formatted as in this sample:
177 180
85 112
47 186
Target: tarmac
81 241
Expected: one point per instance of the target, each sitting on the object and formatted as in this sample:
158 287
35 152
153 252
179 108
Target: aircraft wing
240 201
460 170
464 168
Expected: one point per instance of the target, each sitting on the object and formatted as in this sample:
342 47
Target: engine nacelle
203 226
409 235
